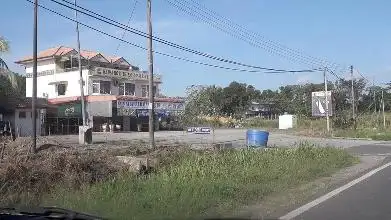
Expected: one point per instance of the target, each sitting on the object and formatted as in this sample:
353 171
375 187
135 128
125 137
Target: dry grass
25 177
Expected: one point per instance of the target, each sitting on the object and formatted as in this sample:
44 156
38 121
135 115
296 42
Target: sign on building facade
71 110
140 108
131 75
144 105
319 104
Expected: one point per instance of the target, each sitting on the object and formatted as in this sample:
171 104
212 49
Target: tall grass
203 183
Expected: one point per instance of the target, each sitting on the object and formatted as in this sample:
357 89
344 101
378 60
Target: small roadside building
19 113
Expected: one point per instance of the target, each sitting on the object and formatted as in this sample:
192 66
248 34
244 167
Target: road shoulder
281 203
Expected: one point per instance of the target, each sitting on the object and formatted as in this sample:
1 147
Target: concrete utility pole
34 95
150 66
83 108
353 105
374 94
384 116
327 101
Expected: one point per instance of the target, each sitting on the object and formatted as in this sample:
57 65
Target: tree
4 45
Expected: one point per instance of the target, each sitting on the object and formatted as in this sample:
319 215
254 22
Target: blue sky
345 32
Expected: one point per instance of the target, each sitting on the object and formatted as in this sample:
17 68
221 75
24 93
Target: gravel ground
236 137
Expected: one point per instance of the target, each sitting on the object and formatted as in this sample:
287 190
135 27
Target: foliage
234 100
12 86
204 183
4 45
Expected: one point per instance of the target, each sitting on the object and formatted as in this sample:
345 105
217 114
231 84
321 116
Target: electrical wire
143 48
198 10
229 22
143 34
239 36
127 24
362 76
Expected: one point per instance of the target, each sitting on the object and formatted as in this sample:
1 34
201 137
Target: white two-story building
115 91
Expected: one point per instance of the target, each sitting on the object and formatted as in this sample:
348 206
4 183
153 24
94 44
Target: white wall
115 89
23 126
73 87
42 65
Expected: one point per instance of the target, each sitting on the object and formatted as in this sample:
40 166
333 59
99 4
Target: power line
362 76
201 12
239 36
143 34
160 53
226 20
127 24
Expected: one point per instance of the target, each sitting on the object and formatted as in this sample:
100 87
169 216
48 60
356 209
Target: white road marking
331 194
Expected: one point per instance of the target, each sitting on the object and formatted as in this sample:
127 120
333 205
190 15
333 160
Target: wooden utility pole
351 77
34 95
150 66
81 82
327 101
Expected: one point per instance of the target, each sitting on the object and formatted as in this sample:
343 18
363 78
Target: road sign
319 104
199 130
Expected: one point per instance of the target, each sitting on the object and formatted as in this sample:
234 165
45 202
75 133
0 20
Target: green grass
381 134
257 122
204 183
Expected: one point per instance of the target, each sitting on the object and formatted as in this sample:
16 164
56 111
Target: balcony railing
76 68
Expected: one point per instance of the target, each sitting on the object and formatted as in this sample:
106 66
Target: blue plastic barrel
257 138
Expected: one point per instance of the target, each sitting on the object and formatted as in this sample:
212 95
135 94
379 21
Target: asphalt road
367 200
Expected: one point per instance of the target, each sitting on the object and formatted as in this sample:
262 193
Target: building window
101 87
61 89
145 90
22 114
126 89
95 86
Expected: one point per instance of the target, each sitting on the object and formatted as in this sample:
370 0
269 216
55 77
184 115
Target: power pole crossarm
150 66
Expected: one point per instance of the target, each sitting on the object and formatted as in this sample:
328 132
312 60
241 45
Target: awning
57 82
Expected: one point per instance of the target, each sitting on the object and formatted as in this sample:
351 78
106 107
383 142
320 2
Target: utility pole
384 116
83 108
374 93
150 66
34 95
351 76
327 101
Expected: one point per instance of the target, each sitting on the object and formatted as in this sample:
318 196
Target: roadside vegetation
199 183
233 106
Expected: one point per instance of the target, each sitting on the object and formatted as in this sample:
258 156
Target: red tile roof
62 50
55 51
